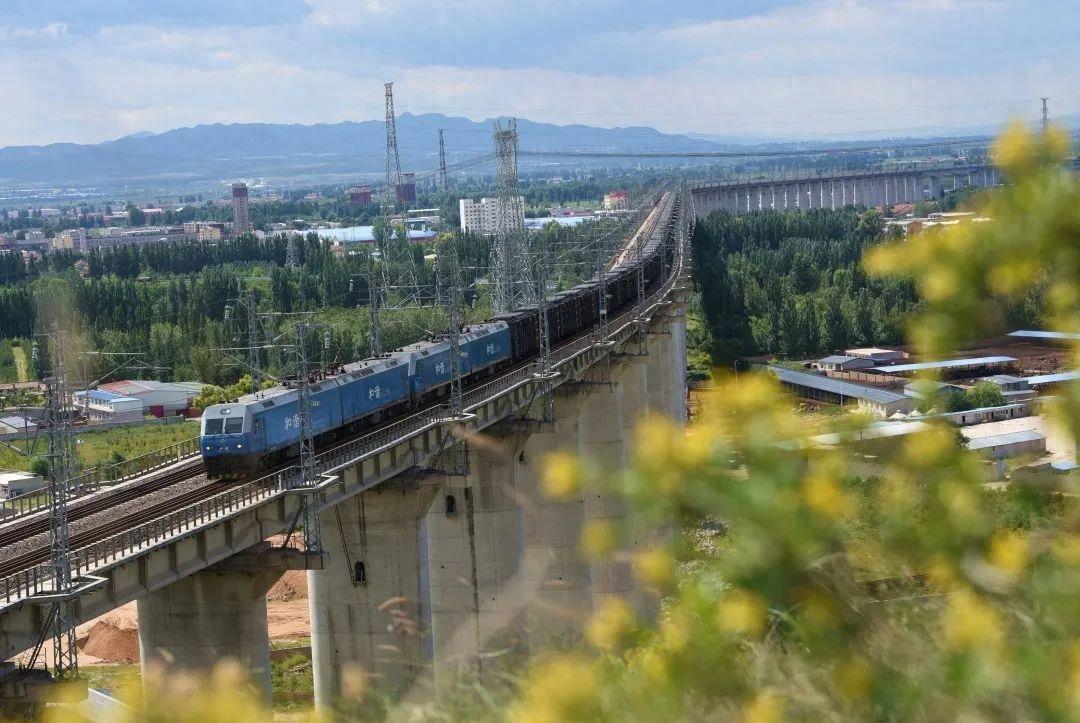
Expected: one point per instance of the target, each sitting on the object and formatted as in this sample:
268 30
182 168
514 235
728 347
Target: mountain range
244 150
209 154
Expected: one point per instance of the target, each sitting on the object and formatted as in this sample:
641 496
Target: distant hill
212 152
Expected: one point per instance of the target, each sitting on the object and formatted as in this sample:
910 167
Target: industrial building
842 363
159 399
1010 444
360 195
483 216
241 209
878 356
406 190
879 402
616 201
15 424
1043 382
16 484
103 406
1054 336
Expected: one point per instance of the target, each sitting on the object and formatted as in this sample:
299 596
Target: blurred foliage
802 588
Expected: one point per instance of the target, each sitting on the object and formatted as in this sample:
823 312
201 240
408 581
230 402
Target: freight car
262 430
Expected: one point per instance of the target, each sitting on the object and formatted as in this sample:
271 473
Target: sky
91 70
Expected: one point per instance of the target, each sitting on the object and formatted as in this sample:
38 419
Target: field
101 446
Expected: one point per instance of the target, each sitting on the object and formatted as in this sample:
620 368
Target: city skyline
90 71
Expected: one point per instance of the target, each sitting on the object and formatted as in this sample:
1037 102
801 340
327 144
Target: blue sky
89 70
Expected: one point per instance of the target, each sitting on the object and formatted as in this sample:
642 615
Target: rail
86 560
102 476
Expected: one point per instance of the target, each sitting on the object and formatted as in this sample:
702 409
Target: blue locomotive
262 430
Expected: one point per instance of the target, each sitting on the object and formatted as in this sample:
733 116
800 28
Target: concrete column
785 198
660 375
821 194
555 574
678 365
204 618
772 191
798 198
474 547
602 443
369 606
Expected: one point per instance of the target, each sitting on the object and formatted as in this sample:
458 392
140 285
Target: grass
111 679
100 446
22 365
293 683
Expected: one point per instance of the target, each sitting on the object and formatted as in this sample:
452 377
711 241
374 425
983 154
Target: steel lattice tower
1045 115
441 178
393 160
312 528
62 460
450 280
510 247
544 367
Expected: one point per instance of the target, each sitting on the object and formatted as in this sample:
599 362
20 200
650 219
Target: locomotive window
234 425
213 426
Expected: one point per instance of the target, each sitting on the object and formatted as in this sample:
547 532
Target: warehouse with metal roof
1010 444
975 366
1044 335
879 402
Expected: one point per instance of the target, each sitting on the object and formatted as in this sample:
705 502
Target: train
261 431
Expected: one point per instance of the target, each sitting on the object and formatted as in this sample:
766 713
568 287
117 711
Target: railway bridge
843 188
424 570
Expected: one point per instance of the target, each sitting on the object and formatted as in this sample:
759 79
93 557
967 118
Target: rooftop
835 386
1053 378
996 440
1031 334
838 359
946 364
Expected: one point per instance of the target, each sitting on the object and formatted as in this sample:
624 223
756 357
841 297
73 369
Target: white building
483 216
104 406
15 484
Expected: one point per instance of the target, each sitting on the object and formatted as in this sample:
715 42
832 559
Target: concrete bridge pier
555 576
474 548
368 607
216 614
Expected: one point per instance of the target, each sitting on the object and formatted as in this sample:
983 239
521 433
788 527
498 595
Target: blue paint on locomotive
372 385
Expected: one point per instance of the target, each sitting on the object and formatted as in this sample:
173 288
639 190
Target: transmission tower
60 622
544 371
510 247
310 510
393 160
1045 115
292 253
375 301
441 178
247 299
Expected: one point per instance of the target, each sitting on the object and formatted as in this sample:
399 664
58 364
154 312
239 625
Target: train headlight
239 446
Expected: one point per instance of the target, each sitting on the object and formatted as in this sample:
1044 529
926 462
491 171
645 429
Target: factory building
878 402
616 201
843 363
16 484
406 190
159 399
955 368
360 195
1010 444
15 424
102 406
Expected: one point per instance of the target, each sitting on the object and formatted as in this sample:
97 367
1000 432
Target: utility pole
441 178
510 244
375 294
1045 116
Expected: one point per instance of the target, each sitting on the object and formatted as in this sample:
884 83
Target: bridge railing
98 477
87 560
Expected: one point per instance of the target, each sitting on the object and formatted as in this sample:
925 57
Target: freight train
262 430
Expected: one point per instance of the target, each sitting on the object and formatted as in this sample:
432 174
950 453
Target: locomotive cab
226 441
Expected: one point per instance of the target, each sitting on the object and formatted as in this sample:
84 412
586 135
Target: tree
985 394
136 216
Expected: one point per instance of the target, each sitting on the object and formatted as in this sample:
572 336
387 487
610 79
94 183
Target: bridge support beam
368 608
215 614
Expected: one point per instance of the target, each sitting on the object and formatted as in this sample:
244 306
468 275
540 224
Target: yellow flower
767 707
654 567
558 689
598 539
561 475
852 678
1009 553
1015 149
824 495
971 623
741 612
610 623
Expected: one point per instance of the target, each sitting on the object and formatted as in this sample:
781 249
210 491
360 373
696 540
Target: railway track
94 504
107 529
